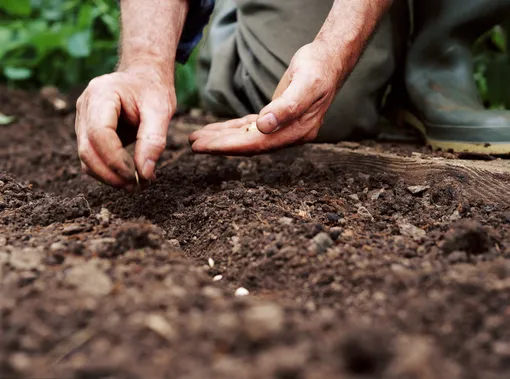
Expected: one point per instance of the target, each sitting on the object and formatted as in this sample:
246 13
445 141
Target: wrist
334 59
151 72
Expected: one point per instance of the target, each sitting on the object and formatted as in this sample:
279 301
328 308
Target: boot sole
493 148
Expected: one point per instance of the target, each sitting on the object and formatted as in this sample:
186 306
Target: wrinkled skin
294 116
137 103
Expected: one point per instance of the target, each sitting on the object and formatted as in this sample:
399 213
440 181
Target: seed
252 126
241 291
210 261
138 187
217 278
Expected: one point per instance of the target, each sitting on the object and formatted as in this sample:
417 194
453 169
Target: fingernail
148 169
267 123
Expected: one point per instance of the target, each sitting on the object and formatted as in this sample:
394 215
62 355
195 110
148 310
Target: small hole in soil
365 353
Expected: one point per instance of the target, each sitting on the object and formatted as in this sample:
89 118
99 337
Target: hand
136 103
295 115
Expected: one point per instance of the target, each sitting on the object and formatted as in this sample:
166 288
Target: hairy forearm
348 28
151 30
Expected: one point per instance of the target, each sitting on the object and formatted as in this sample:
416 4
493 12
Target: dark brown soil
349 275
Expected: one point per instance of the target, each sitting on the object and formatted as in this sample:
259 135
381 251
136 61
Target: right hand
137 102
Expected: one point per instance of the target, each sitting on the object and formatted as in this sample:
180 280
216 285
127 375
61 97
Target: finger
250 143
103 115
222 127
292 104
207 135
93 166
231 124
151 138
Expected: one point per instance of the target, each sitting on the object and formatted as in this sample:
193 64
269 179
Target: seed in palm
252 127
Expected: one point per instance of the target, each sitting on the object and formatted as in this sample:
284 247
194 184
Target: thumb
293 102
151 139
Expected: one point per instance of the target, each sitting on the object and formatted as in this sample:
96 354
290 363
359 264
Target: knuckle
156 142
83 153
94 134
292 107
312 135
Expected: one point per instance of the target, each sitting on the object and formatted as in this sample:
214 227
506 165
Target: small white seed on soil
210 262
217 278
241 291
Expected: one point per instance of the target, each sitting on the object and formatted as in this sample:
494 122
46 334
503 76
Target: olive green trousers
250 45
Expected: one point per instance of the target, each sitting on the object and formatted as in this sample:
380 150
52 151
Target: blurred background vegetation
67 42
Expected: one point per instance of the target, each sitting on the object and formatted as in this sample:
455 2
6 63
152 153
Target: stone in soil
89 279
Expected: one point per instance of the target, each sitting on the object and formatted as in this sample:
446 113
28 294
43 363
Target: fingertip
148 169
268 123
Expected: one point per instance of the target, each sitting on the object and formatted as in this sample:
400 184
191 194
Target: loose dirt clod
89 279
469 236
25 259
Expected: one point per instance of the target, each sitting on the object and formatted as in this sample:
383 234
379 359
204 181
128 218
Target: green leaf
86 16
6 120
17 73
498 38
79 44
21 8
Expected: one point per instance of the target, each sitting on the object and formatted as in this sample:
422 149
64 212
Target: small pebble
285 221
159 325
416 190
174 243
104 216
354 197
410 230
333 217
375 194
322 242
74 229
335 232
264 321
26 259
241 291
365 213
217 278
455 216
90 279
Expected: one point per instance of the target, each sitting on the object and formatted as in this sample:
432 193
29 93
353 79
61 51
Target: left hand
294 116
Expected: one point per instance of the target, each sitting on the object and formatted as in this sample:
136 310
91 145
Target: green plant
59 42
492 67
65 43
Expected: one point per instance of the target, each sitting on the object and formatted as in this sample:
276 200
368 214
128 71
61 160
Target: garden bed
361 261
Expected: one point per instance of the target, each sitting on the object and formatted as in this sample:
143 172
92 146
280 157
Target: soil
349 275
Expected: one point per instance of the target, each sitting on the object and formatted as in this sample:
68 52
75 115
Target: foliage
492 67
65 43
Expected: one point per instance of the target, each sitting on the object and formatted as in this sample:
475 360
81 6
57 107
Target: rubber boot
446 106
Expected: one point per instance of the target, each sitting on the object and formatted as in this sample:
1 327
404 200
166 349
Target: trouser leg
252 42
